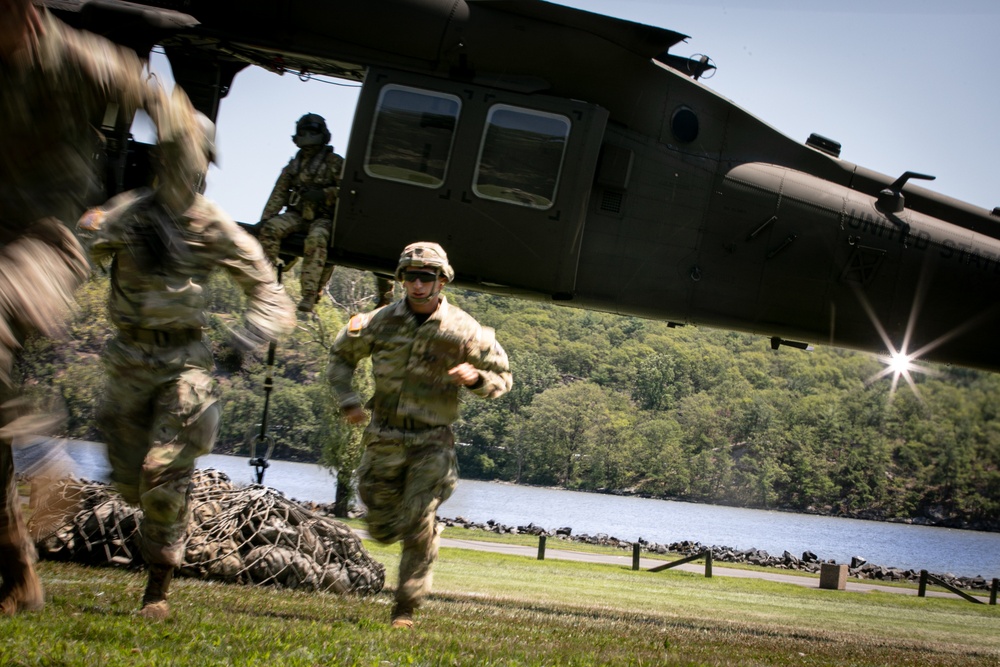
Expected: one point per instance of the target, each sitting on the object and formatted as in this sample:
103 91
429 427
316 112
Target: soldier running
55 81
160 410
423 351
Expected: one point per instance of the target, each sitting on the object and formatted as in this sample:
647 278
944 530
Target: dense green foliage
620 404
625 405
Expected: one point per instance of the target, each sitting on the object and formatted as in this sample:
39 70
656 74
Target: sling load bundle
237 534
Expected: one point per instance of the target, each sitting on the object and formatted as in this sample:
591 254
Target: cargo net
238 534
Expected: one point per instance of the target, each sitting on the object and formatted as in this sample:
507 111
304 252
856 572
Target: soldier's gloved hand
314 195
245 338
465 375
354 414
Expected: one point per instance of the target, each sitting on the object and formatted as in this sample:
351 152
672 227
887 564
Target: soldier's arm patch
91 220
356 324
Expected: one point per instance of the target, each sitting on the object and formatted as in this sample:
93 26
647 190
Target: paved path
625 561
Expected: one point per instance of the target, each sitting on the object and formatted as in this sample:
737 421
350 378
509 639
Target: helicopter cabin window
521 156
412 136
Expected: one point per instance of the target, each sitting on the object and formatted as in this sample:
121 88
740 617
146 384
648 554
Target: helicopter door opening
500 179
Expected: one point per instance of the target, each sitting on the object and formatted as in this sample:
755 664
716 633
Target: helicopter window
412 136
521 156
684 125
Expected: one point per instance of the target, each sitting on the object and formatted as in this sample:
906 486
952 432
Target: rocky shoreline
859 568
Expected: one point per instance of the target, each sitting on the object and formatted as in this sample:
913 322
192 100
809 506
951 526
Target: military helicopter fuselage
567 156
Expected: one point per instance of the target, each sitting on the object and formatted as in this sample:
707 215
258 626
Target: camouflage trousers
159 414
314 251
38 274
17 553
402 485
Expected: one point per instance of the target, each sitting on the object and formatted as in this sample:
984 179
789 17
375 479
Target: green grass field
490 609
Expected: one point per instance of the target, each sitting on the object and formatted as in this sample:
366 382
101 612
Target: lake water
939 550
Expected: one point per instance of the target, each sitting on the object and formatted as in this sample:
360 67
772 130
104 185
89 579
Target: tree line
616 404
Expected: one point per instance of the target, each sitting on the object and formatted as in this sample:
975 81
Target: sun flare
899 363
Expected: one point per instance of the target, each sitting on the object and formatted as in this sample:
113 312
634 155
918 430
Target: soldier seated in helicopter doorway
307 192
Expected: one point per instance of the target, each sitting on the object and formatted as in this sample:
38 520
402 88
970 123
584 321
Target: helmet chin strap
426 299
306 143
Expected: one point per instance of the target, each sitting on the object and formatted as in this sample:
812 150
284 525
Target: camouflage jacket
54 94
160 266
305 171
411 361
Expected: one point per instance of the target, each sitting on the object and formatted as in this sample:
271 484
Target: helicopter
591 166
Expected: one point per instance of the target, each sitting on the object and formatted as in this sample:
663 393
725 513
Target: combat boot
154 600
402 615
21 590
308 302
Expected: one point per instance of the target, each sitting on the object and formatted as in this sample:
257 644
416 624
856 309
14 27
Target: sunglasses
422 276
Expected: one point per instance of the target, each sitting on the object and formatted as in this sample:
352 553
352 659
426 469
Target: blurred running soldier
307 191
160 409
55 80
423 351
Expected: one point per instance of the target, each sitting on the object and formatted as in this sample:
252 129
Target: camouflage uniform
53 87
409 466
313 172
160 409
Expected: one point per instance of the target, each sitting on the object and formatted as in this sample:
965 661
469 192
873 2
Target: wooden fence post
635 556
541 547
708 563
993 591
922 589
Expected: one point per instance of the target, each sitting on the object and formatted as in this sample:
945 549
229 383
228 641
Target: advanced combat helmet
311 130
424 254
184 151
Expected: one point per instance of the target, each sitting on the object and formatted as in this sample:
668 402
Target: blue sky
901 84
